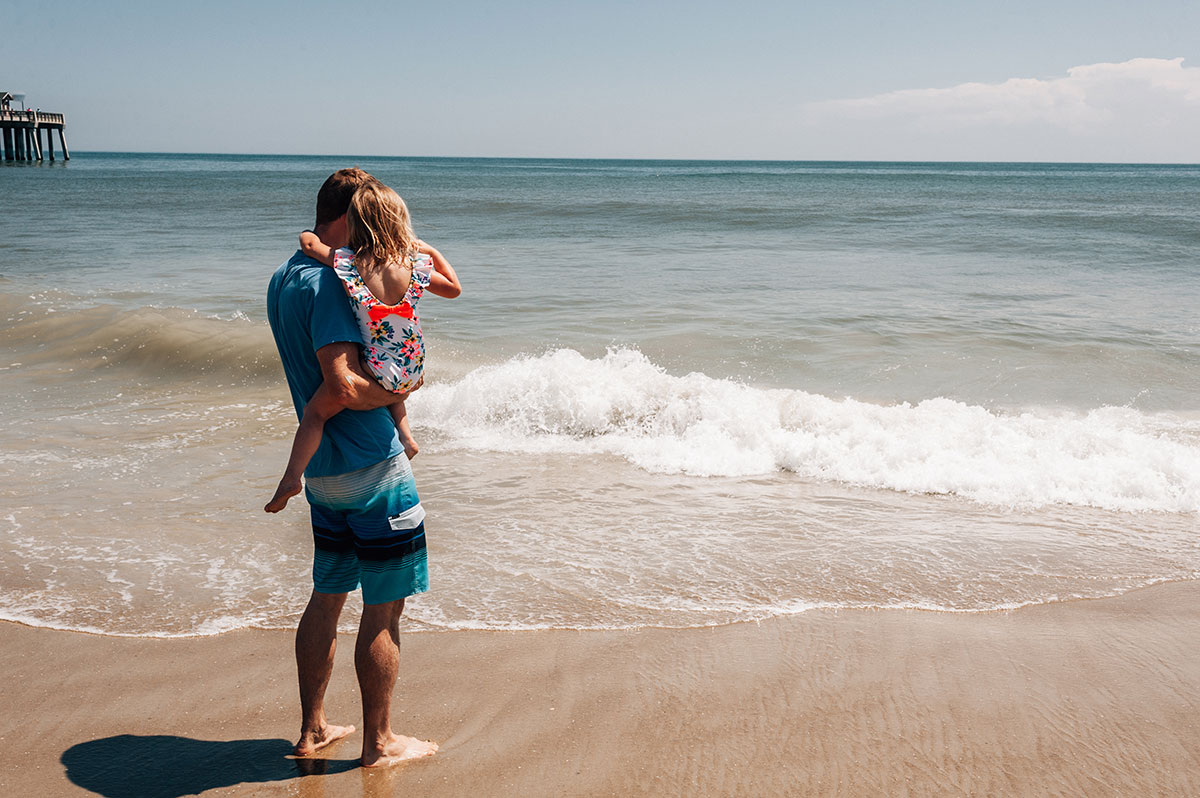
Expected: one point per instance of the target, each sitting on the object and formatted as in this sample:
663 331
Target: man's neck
333 234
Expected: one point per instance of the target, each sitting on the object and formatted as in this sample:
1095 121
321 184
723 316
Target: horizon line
639 158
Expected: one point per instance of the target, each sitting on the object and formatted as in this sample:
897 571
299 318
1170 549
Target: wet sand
1088 698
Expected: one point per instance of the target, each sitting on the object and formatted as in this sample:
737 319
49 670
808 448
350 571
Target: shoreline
410 627
1092 697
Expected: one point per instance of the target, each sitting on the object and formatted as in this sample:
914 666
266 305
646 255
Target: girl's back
389 283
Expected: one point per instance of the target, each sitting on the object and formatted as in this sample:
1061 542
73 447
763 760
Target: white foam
625 405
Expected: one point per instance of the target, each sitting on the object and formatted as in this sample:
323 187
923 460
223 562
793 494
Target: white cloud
1142 109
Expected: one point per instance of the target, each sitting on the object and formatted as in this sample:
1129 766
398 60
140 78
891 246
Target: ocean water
672 394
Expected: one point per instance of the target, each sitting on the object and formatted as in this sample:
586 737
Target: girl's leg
319 409
400 416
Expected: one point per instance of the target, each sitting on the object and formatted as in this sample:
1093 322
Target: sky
741 79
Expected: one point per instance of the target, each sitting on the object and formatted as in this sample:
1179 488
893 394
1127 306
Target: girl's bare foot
410 446
398 749
286 490
311 742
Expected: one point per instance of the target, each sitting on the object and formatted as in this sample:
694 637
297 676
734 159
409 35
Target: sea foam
625 405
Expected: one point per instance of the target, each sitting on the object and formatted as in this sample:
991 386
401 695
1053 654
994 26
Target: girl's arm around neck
443 282
312 246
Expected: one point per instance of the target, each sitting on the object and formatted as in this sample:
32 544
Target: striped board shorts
369 529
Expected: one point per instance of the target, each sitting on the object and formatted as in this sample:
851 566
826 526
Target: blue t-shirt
308 309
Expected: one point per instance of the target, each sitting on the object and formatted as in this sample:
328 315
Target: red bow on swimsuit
381 311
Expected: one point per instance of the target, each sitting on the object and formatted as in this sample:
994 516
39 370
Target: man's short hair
334 197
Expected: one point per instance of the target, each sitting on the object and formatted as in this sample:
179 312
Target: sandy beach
1088 698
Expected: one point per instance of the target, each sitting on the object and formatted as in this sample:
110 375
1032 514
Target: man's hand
352 387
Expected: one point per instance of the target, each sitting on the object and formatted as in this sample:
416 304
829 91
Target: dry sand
1088 698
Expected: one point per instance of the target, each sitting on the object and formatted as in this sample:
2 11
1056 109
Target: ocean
672 394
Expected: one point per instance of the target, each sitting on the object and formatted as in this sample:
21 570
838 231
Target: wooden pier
22 132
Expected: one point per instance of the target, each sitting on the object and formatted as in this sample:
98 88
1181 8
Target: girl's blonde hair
379 226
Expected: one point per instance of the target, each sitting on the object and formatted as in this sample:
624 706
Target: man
367 520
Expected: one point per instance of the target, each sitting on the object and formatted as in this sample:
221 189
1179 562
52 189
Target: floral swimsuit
392 345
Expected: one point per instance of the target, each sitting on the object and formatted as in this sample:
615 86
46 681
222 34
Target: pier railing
32 117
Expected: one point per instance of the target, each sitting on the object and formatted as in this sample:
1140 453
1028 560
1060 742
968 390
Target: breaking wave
622 404
165 342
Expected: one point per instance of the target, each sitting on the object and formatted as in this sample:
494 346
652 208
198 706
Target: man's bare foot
410 446
311 742
286 490
399 749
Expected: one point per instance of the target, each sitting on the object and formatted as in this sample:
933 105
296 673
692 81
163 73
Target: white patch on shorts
409 519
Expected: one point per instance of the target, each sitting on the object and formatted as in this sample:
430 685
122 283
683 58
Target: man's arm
352 388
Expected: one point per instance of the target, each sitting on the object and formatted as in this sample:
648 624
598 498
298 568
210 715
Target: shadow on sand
164 766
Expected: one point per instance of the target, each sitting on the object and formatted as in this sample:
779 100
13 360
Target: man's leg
316 641
377 661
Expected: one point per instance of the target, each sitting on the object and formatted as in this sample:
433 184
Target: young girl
385 270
